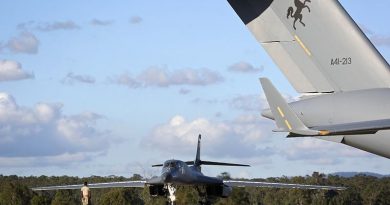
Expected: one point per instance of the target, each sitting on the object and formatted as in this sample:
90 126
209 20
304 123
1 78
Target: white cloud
58 25
248 102
51 26
97 22
26 42
44 133
72 78
316 151
162 77
12 70
125 79
136 19
237 138
65 159
244 67
184 91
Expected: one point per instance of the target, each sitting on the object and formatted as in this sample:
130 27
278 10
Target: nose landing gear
171 194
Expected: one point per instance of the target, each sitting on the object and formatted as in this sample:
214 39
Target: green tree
121 197
40 200
224 176
14 194
66 197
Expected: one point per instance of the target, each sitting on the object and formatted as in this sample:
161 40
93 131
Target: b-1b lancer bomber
343 80
180 173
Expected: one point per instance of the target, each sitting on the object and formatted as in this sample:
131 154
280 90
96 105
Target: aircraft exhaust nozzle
267 114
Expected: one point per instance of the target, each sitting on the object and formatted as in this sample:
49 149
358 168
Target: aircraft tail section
285 118
198 162
315 43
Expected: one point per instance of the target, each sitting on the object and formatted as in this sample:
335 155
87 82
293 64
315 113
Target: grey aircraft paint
322 51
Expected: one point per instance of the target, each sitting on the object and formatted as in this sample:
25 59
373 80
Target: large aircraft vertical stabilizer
315 43
327 58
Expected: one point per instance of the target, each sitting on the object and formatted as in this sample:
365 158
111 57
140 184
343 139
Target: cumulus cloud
237 138
206 101
58 160
25 42
125 79
97 22
44 133
12 70
161 77
72 78
244 67
248 103
251 103
58 25
316 151
48 26
135 20
184 91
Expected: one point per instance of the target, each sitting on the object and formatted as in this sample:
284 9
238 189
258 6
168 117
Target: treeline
362 189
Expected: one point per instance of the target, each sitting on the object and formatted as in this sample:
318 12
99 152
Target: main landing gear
203 198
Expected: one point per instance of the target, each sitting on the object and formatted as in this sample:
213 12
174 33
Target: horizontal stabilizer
288 121
218 164
285 118
224 164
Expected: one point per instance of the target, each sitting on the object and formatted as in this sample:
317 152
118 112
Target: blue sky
101 88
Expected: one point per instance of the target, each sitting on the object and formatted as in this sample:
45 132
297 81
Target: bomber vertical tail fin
198 162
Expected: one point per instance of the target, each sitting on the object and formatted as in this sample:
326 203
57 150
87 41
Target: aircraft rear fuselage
344 107
348 107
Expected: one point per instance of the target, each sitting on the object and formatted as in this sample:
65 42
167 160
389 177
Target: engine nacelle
157 190
219 190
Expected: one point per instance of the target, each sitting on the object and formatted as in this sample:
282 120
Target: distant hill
352 174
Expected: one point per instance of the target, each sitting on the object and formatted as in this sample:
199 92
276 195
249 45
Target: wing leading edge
135 184
280 185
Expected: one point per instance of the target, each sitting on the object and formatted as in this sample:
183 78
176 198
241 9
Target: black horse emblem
298 12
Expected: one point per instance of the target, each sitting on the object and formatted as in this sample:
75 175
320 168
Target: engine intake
157 190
